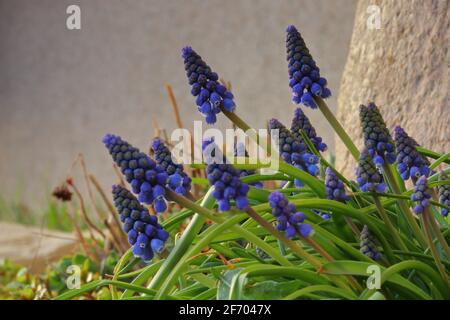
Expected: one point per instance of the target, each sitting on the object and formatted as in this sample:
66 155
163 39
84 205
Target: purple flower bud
210 95
411 164
421 195
133 164
301 122
377 138
368 177
141 227
368 244
303 71
288 219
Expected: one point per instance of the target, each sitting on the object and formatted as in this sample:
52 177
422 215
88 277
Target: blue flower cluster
294 151
421 195
144 232
178 180
304 75
147 179
210 94
377 138
368 246
240 151
289 220
410 163
334 187
444 194
301 122
368 177
225 179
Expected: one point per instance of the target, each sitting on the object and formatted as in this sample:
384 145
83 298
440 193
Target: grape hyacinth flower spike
288 219
304 75
368 246
410 163
444 194
178 180
144 232
421 195
377 139
294 152
147 179
210 94
334 187
301 122
368 177
225 178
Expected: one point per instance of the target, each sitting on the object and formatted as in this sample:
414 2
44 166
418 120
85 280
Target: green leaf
270 290
360 269
338 292
224 286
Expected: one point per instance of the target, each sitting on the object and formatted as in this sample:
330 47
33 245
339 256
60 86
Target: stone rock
33 247
402 67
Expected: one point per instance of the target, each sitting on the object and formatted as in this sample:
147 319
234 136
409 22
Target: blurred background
61 90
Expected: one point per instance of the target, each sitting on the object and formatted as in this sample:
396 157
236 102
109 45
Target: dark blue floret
334 187
368 246
304 75
289 220
368 177
178 180
294 152
377 139
421 195
225 178
410 163
144 232
444 194
210 94
147 179
301 122
240 151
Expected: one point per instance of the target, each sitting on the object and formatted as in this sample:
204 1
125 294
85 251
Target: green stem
183 262
337 127
341 209
127 255
183 244
432 154
403 206
389 224
437 230
233 117
438 161
427 227
417 265
238 229
439 236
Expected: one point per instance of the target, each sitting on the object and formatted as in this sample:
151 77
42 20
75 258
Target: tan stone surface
404 69
33 247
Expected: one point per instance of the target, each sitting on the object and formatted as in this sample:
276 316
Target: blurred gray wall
61 90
